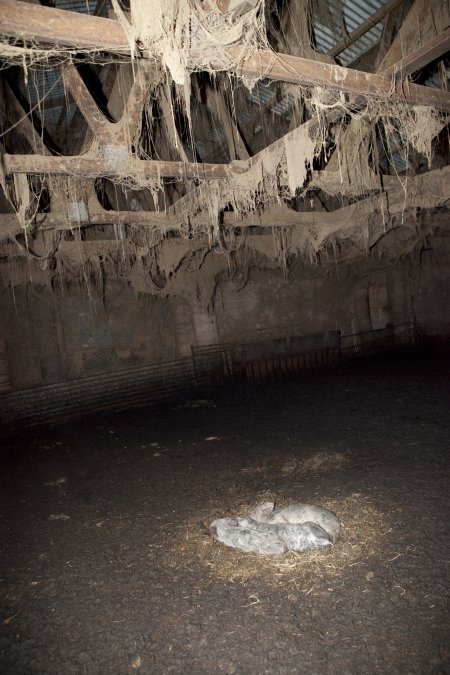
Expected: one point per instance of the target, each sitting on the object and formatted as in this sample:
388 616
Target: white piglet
297 514
270 531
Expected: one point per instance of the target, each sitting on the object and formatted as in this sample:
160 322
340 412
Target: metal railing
118 390
209 365
384 339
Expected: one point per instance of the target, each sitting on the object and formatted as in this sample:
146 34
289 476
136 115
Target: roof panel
362 45
81 6
355 12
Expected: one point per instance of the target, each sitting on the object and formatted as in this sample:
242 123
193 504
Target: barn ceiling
224 124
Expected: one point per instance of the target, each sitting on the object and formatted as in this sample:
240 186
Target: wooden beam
236 146
312 73
57 221
100 126
84 166
37 23
25 21
110 167
168 120
364 27
427 191
132 114
424 21
419 58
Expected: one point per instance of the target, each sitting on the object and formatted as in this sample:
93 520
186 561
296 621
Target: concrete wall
351 298
52 336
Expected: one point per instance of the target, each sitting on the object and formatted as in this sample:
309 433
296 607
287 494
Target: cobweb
171 40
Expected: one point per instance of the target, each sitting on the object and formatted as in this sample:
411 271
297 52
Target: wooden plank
364 27
421 57
83 166
37 23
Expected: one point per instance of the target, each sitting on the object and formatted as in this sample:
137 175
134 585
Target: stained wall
58 334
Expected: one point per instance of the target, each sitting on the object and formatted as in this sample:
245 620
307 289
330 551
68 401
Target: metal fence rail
257 360
110 391
210 365
382 340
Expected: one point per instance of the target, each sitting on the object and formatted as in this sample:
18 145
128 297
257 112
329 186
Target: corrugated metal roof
283 107
261 94
81 6
43 87
355 12
362 45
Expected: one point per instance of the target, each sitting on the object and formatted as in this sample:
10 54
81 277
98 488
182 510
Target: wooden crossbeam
110 167
428 191
24 21
236 146
132 114
313 73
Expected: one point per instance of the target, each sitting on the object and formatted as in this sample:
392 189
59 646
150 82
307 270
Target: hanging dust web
364 530
172 30
181 37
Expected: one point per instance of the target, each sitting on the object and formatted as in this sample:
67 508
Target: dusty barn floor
107 565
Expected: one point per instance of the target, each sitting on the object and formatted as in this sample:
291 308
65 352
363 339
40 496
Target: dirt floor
107 565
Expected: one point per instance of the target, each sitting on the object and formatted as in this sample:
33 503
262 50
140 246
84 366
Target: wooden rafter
37 23
83 166
419 58
424 21
96 121
24 21
132 114
236 145
312 73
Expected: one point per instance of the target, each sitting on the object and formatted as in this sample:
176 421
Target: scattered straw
321 462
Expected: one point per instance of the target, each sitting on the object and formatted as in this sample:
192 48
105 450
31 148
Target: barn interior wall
359 298
64 334
53 336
